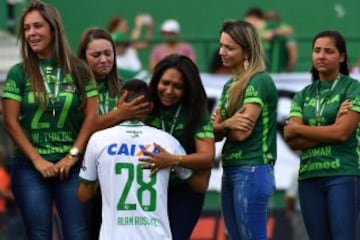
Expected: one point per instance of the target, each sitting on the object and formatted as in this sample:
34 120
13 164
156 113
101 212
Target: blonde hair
244 34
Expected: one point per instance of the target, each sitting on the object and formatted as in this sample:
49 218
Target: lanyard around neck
104 104
52 96
320 106
175 118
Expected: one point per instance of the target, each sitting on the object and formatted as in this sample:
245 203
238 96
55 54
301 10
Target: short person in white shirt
134 200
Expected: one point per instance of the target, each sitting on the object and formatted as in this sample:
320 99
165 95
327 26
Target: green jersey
106 102
53 130
172 120
260 146
328 159
176 125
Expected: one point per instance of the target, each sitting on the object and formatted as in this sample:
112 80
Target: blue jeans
330 206
35 196
245 195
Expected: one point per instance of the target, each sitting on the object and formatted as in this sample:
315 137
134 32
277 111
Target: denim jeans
245 195
35 196
330 206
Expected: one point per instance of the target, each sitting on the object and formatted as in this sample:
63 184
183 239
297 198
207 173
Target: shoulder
17 68
262 80
350 81
261 76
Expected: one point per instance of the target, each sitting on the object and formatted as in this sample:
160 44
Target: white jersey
134 206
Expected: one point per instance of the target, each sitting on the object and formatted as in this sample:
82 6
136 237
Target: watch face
74 151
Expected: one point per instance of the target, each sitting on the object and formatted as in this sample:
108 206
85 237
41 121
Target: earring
246 64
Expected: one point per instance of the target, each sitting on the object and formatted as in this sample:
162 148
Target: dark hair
135 88
61 53
99 33
114 22
340 45
255 12
194 101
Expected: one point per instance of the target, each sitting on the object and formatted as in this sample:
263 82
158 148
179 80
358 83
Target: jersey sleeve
88 171
354 96
258 89
296 108
91 89
206 130
14 83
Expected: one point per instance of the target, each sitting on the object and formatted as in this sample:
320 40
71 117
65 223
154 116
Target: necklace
320 106
52 96
173 123
104 104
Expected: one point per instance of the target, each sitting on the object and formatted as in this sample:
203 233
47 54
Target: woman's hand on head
135 109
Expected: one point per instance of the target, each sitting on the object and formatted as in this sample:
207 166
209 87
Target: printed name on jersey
134 133
130 149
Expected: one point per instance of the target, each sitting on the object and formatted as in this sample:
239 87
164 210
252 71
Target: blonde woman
246 117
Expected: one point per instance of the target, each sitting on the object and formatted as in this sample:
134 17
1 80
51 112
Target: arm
136 109
87 128
220 129
292 55
86 190
298 143
11 109
203 158
340 131
247 115
140 22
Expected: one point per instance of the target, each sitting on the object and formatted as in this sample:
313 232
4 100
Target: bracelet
72 157
179 159
225 127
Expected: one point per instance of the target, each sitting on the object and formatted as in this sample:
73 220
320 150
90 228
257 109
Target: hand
136 109
46 168
157 161
240 121
290 129
64 165
215 114
344 108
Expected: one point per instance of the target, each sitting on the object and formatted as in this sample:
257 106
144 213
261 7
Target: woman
180 108
49 103
246 117
329 175
97 49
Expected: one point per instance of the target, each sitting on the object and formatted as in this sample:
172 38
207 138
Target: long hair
194 99
340 45
244 34
61 53
90 34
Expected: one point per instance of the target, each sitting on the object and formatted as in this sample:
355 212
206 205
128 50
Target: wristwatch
74 153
